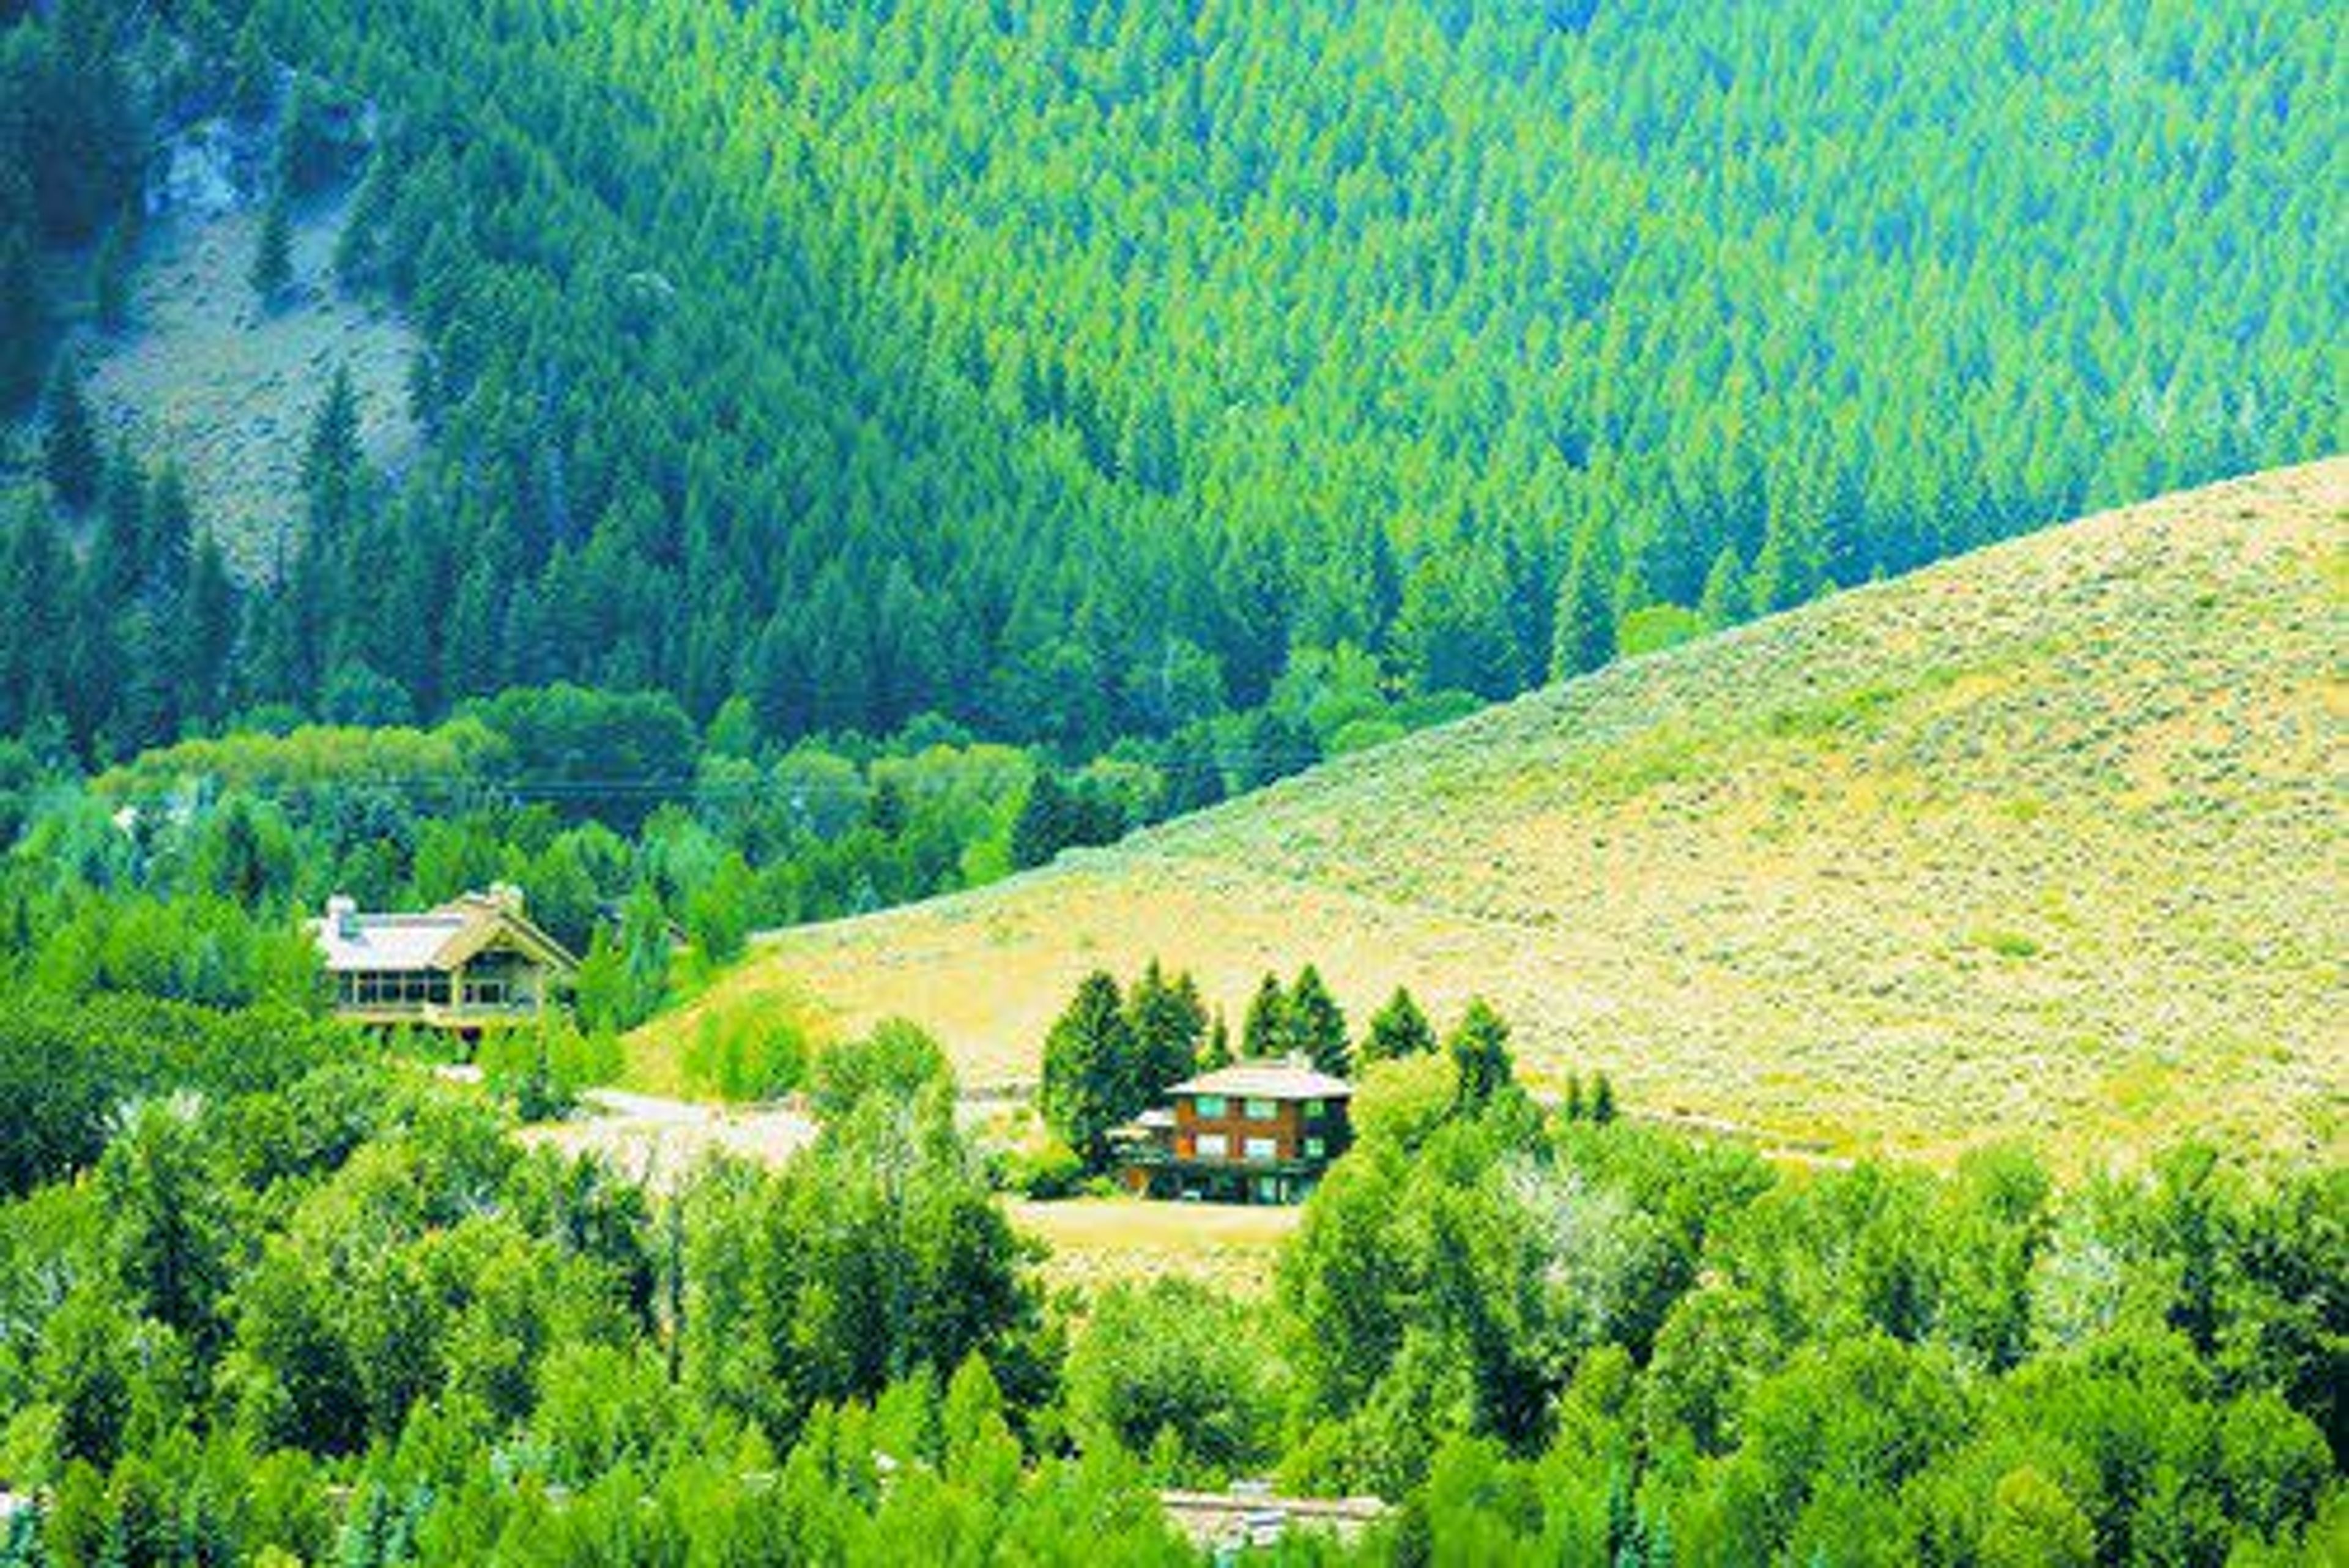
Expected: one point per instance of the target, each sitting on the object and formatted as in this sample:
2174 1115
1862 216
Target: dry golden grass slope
2044 841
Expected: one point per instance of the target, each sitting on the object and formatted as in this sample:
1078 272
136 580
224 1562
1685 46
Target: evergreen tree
111 280
1317 1027
1042 829
358 249
24 316
254 77
1586 615
208 641
169 548
1217 1051
1398 1030
1168 1022
1724 589
1088 1078
1264 1032
69 440
272 274
331 459
1195 774
1479 1049
119 561
1602 1100
885 811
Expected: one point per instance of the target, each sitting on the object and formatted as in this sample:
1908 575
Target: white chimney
343 914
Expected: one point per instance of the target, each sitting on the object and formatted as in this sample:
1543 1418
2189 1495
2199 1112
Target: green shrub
746 1055
1046 1167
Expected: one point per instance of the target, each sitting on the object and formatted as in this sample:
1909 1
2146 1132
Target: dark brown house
1257 1132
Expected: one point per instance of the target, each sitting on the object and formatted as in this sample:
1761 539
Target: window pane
1214 1146
1262 1110
1208 1106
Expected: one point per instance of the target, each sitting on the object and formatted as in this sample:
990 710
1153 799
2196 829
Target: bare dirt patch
205 375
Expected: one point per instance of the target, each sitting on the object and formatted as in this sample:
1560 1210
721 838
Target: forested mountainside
1066 369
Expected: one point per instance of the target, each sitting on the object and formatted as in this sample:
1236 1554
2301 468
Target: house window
1214 1146
1262 1148
1262 1110
1207 1108
1313 1108
1315 1148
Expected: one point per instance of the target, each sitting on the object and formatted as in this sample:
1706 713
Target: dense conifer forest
867 450
1067 373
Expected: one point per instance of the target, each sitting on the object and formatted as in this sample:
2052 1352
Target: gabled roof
440 940
1290 1080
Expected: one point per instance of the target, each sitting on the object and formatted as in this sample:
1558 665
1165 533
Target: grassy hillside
2046 840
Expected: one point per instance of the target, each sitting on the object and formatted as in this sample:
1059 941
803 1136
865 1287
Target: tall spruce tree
69 449
1479 1048
1264 1032
271 272
1585 637
1088 1083
330 462
1041 829
1217 1051
1398 1030
111 279
1169 1024
24 318
1317 1026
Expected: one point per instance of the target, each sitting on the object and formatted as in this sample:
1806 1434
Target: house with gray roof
473 963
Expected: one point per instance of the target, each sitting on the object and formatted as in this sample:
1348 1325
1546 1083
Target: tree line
1113 1055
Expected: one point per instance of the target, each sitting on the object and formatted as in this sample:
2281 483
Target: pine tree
1586 615
1264 1032
358 248
1041 829
1217 1051
1724 589
1317 1027
272 253
1398 1030
1195 775
330 461
1602 1100
119 561
70 441
24 318
253 85
208 638
1088 1059
171 530
886 812
1479 1049
111 280
1168 1022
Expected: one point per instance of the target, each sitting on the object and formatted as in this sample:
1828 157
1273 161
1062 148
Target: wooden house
1255 1132
473 963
